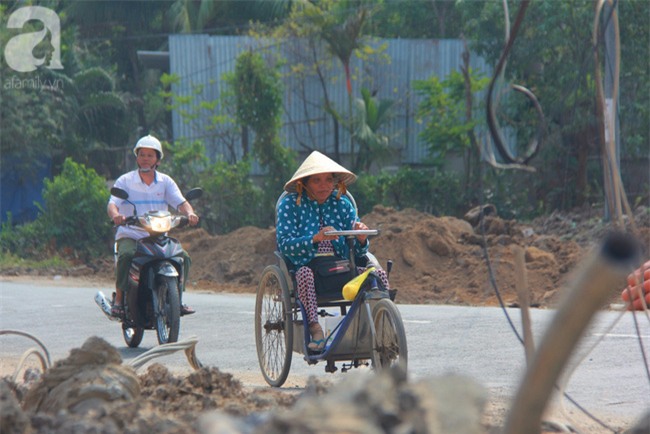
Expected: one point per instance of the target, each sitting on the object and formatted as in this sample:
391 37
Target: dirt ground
436 260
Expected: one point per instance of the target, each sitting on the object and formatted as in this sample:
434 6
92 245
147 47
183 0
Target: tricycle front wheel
389 343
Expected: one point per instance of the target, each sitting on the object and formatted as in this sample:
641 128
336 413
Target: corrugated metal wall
201 61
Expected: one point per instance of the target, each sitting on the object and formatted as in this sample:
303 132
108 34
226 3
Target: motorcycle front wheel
132 335
168 311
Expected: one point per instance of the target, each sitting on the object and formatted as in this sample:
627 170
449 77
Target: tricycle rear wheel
273 326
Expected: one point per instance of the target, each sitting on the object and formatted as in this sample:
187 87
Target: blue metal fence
201 61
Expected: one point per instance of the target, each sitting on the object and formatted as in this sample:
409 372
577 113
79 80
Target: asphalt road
478 342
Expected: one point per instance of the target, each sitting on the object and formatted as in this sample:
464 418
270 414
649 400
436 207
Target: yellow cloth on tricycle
351 288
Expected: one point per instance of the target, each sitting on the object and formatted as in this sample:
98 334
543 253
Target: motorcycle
153 299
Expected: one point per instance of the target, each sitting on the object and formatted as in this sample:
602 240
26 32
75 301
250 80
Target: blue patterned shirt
297 224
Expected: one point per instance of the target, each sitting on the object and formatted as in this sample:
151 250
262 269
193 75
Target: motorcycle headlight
160 224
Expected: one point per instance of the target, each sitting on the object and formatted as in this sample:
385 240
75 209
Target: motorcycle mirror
194 193
119 193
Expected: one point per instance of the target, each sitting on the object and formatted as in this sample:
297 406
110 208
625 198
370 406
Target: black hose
534 144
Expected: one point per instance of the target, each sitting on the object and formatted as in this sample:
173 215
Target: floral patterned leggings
307 288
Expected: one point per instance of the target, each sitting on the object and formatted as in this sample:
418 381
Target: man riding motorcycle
150 190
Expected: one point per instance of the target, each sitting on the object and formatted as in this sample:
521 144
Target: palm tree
371 115
340 26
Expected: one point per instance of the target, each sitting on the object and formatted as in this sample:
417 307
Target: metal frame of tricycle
354 347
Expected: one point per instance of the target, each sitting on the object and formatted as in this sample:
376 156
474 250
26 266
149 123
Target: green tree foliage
223 17
50 114
34 119
258 95
426 190
72 221
102 119
34 108
102 112
443 193
232 200
75 203
114 31
635 77
221 128
553 56
339 25
415 19
185 162
443 109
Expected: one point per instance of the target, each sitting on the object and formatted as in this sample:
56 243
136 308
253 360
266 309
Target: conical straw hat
318 163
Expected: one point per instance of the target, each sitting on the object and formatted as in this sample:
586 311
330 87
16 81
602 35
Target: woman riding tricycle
322 246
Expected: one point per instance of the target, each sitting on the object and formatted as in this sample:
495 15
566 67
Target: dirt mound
233 261
91 391
441 260
438 260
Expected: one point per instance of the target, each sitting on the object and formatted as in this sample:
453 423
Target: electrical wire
42 354
497 292
187 345
493 123
569 373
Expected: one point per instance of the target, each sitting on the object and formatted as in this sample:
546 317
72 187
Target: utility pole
612 137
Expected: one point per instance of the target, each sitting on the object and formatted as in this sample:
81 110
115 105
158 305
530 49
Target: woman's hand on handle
361 226
320 235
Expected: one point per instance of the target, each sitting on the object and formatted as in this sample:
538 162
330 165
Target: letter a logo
19 49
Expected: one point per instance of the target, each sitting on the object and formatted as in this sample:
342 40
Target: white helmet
149 142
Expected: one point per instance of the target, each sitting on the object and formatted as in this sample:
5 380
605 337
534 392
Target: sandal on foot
317 337
316 345
186 310
117 310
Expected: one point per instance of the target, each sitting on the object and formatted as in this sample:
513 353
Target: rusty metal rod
524 301
607 268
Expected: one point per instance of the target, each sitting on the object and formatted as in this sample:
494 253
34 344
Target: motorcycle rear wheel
168 311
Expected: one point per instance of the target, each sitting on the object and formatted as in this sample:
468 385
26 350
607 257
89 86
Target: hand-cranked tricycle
367 329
